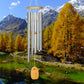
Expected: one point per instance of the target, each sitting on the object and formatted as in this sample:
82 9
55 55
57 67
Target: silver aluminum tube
35 33
32 32
29 15
40 31
38 25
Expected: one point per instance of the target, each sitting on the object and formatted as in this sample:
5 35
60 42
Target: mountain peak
46 9
9 17
77 4
12 23
80 2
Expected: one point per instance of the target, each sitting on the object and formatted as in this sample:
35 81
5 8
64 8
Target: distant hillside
49 17
12 23
18 25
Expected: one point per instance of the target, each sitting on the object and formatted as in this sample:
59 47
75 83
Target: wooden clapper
34 73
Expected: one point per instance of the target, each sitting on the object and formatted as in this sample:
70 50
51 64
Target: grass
50 73
4 80
23 53
58 73
4 57
77 77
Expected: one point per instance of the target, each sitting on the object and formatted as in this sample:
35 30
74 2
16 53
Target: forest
63 39
9 44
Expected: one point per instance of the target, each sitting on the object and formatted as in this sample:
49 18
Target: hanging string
35 19
34 37
30 3
34 60
36 2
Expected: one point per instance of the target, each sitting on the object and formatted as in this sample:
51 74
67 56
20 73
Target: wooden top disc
34 73
34 7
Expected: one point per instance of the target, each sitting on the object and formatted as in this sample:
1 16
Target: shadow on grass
63 81
66 82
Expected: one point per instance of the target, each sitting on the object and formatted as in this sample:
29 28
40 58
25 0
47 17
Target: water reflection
1 82
20 83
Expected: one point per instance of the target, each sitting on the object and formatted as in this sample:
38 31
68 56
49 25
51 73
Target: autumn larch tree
1 42
18 41
66 34
47 36
10 45
6 39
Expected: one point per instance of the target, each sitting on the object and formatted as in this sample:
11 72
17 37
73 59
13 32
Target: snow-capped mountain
77 4
46 9
59 8
49 15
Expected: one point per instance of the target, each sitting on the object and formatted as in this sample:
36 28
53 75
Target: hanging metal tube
29 26
40 31
32 32
35 33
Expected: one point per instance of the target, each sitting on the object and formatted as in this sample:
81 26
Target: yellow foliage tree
66 33
1 42
18 41
5 37
10 45
23 43
47 36
26 38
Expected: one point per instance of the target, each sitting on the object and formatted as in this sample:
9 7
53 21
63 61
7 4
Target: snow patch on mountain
59 8
46 9
77 4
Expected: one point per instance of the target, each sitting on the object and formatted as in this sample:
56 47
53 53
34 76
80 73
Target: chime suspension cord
36 2
35 37
35 25
30 3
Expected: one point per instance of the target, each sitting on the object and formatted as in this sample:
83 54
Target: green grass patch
56 73
77 77
4 80
44 76
4 57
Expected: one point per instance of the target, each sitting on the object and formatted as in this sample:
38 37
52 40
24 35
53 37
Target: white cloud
15 3
18 2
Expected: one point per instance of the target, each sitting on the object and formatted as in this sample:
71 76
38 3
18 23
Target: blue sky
18 7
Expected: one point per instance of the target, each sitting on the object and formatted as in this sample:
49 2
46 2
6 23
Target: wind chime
34 36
